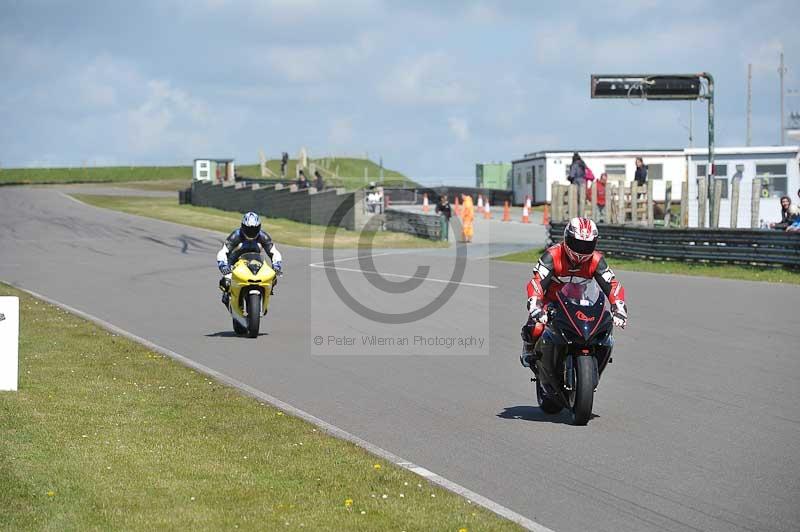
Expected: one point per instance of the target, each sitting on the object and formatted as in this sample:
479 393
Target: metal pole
781 71
749 102
691 114
710 97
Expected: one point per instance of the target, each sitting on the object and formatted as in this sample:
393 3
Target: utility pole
749 102
691 137
781 71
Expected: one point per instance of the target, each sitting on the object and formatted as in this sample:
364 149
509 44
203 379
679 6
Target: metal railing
737 246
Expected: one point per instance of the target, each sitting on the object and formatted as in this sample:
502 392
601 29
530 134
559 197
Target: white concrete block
9 343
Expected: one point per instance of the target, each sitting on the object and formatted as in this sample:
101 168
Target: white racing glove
620 314
536 312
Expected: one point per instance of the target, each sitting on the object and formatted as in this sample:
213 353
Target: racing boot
530 333
527 356
225 286
545 363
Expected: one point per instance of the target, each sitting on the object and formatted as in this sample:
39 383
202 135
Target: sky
430 87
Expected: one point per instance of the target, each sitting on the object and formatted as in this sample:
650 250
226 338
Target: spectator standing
302 182
789 215
444 212
577 171
284 163
641 172
600 215
319 183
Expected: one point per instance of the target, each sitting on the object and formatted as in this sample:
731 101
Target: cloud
306 64
169 119
765 57
459 127
340 132
429 79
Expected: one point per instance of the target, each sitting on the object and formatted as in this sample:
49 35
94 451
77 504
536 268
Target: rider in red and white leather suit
574 257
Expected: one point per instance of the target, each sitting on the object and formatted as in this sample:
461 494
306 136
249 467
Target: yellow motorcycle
252 280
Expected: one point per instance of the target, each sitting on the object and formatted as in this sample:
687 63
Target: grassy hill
349 170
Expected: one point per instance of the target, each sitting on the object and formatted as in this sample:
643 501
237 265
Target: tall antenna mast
781 71
749 102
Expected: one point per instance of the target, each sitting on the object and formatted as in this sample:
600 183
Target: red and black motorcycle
579 331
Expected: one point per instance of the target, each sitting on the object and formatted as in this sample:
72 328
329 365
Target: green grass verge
284 231
772 275
169 185
115 174
105 434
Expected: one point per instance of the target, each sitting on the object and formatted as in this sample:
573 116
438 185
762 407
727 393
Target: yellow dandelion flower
377 466
280 413
462 530
51 493
348 502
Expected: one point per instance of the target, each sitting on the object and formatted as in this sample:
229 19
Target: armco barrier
306 206
415 195
742 246
421 225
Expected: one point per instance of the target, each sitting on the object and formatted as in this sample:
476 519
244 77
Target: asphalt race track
697 420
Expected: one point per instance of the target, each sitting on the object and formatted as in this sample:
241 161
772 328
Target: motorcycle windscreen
583 304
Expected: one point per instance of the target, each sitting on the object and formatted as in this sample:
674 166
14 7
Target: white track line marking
325 262
333 430
375 272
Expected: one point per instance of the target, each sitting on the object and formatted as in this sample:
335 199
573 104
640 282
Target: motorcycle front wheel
253 314
584 389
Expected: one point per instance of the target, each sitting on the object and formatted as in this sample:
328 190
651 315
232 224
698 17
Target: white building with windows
778 166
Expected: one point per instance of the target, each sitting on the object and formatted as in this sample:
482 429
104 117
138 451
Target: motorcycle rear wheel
547 404
238 329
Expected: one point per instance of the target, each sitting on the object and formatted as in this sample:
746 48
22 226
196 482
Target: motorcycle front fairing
250 272
581 321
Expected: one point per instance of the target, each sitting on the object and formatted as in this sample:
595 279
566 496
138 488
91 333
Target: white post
9 343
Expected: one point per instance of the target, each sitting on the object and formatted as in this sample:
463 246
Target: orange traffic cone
480 203
506 212
425 207
487 210
526 214
546 215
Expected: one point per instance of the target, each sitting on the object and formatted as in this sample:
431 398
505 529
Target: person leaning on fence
577 171
302 182
319 183
600 215
444 212
789 215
